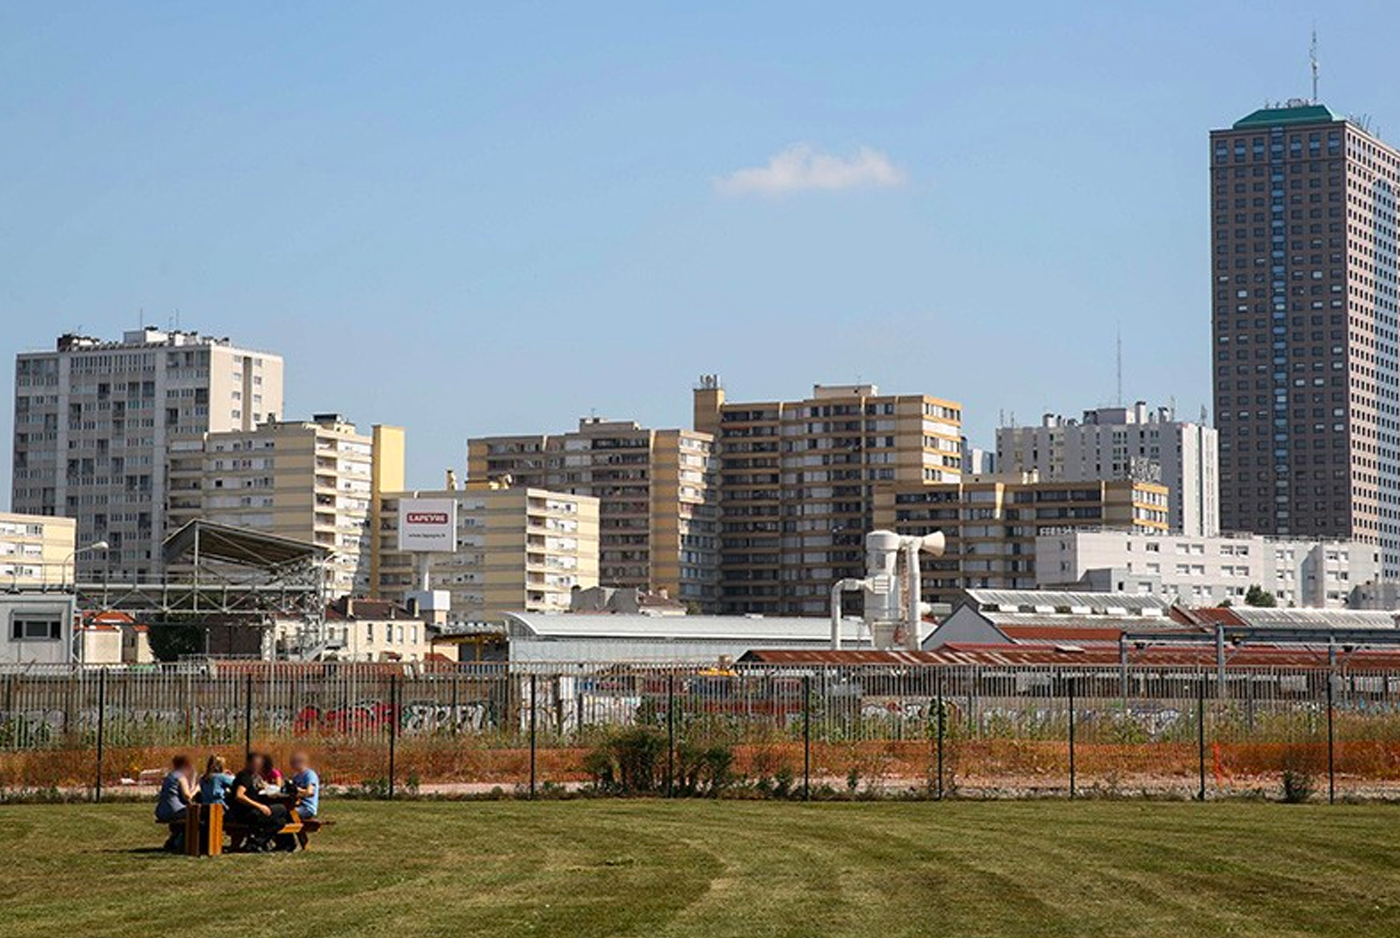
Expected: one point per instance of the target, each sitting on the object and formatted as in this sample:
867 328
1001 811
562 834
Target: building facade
375 630
654 490
1206 571
1126 443
993 525
36 550
309 480
798 482
93 420
517 550
1306 369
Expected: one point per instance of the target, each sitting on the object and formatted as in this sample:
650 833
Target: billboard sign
428 524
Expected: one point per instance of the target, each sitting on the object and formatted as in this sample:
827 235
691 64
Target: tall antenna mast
1312 59
1119 401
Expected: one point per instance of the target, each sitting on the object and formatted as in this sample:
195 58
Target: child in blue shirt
215 785
307 784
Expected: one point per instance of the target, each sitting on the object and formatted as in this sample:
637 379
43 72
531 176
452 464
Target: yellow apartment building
311 480
798 482
37 550
991 523
517 549
654 490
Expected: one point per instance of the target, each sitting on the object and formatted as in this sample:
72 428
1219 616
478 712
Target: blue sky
495 218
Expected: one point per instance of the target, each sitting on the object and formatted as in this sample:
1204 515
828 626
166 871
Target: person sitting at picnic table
214 786
177 790
248 806
270 774
306 785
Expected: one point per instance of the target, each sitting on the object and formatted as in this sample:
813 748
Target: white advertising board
428 525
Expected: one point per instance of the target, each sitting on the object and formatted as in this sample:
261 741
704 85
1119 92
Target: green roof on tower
1288 114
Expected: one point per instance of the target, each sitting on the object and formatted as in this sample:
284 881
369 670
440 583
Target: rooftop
757 629
1294 112
1076 603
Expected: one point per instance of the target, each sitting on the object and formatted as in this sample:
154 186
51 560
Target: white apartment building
309 480
93 419
1126 442
1206 571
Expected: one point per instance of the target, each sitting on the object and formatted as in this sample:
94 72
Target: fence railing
937 730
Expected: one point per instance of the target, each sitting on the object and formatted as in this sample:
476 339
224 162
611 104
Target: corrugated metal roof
1201 657
1085 602
1315 618
756 629
1003 620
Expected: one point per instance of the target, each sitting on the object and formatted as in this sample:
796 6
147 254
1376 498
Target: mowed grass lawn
700 868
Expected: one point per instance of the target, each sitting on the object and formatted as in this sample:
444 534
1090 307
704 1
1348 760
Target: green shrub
632 761
1298 786
703 770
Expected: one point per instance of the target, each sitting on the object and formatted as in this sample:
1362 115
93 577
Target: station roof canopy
208 540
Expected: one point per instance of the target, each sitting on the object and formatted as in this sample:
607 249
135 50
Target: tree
1258 596
169 641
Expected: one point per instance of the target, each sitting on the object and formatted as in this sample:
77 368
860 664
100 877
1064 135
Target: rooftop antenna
1120 365
1312 59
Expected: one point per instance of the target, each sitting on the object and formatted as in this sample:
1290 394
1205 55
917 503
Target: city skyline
869 196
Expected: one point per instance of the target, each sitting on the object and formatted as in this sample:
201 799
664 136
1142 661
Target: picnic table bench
204 827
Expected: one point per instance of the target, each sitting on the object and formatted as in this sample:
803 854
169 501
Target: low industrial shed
568 637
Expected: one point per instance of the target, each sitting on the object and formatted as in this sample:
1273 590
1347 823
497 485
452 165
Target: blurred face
255 764
298 761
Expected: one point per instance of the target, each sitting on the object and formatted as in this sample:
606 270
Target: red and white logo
426 517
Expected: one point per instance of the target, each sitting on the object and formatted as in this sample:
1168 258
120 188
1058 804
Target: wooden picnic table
205 827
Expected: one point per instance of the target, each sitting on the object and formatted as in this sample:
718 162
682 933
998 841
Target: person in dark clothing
248 807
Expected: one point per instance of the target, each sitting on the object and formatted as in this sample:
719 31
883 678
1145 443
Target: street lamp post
77 650
72 559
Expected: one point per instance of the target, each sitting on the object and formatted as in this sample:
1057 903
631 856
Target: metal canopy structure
207 540
222 574
1227 637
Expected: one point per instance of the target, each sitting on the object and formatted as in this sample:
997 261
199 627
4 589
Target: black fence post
1331 738
806 737
248 716
534 683
1072 791
670 733
393 728
456 704
101 718
940 735
1201 739
578 705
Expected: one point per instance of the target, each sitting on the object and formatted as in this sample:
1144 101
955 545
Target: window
35 629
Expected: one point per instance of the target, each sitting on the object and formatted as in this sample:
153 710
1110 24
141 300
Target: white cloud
800 167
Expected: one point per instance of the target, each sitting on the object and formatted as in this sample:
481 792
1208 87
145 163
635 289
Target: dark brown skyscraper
1303 275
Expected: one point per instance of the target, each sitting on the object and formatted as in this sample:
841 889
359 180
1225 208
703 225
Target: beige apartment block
310 480
93 420
36 550
518 549
798 482
992 522
655 495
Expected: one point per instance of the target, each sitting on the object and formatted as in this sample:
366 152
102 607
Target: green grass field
653 868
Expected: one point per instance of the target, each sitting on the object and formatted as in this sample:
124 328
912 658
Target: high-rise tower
1306 373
